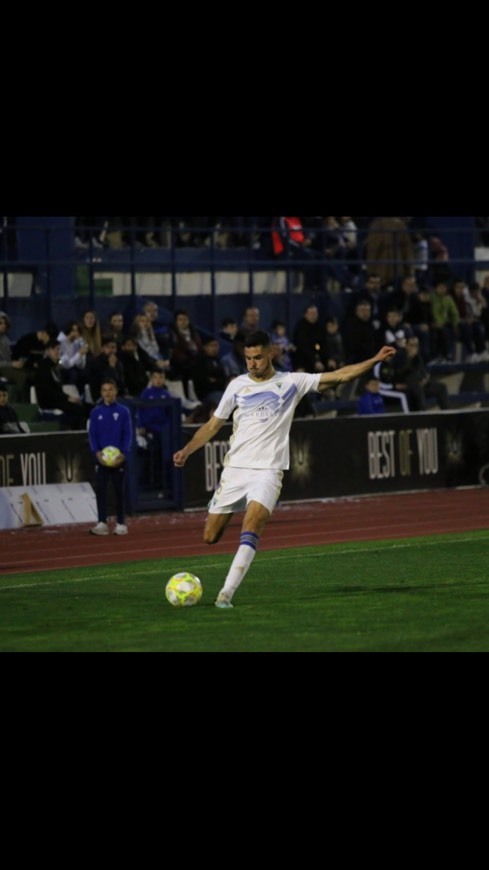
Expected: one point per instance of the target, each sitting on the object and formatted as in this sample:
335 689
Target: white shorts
238 486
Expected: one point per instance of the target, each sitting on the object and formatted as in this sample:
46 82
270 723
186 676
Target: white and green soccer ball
110 454
183 589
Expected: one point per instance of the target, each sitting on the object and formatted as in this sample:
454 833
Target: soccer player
263 402
110 425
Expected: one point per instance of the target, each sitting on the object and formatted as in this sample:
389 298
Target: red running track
159 536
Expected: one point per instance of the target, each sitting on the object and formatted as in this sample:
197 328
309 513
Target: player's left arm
349 373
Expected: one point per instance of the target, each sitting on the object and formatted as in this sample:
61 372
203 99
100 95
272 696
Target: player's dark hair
260 337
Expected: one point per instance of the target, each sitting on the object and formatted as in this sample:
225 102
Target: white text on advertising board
407 452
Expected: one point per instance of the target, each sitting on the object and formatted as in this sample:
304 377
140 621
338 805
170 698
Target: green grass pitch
425 594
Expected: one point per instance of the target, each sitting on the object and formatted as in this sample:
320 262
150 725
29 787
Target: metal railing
48 253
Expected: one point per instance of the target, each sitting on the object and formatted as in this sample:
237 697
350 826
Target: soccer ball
183 589
109 454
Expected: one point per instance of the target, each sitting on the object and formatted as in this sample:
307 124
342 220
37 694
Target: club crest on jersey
116 415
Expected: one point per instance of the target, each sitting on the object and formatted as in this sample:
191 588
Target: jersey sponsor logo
266 405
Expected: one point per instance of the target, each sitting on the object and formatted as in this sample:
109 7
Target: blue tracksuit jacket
110 426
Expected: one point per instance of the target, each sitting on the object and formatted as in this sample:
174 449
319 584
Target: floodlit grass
427 594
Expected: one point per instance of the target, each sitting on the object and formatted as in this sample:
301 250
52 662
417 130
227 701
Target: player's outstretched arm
201 437
349 373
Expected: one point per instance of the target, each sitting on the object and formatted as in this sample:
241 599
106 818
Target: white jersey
262 417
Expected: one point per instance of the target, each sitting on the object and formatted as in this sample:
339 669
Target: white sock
241 563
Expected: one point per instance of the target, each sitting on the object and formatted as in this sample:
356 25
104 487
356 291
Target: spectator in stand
412 377
334 253
91 333
332 354
234 362
154 426
370 401
396 331
51 397
360 334
225 335
90 231
244 231
159 326
30 347
154 420
9 419
401 298
378 299
280 339
419 315
135 231
290 242
470 330
480 310
142 331
186 344
386 375
228 330
208 375
194 231
440 257
349 235
421 257
309 339
251 320
137 366
73 356
277 359
313 228
445 323
389 250
28 352
334 347
11 370
115 327
106 366
110 426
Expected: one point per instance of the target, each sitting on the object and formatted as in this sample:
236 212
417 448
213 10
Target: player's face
259 362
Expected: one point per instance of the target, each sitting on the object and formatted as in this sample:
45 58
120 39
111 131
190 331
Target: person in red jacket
290 242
